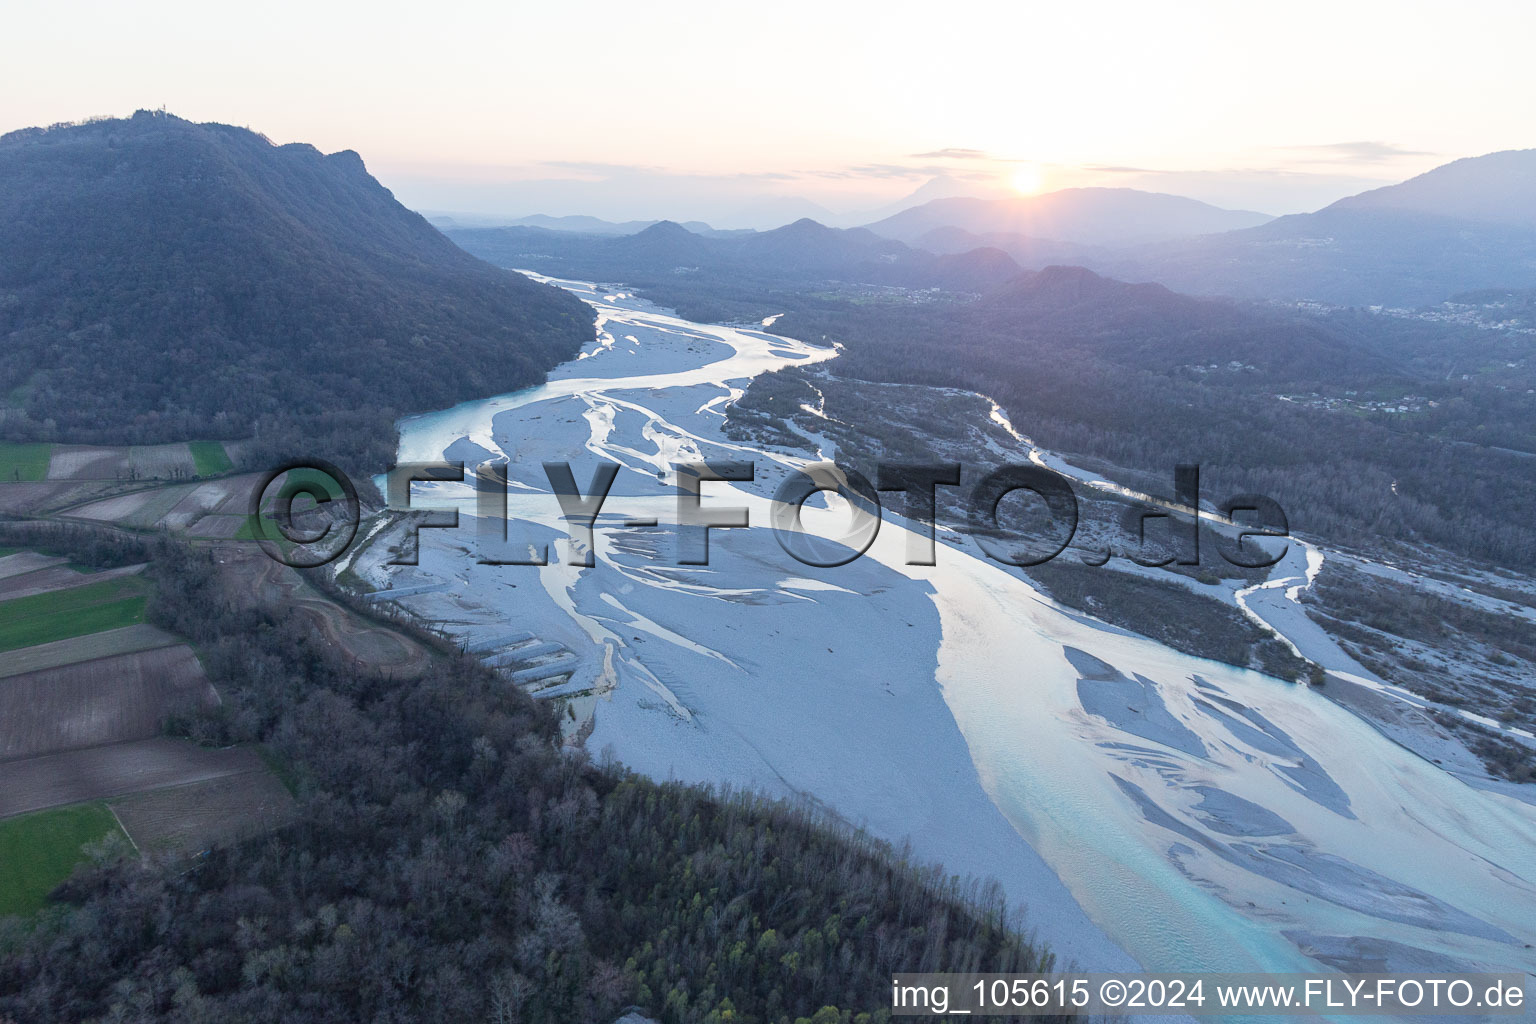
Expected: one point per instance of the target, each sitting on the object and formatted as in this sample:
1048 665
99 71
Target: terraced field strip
127 640
20 462
113 509
185 819
48 496
91 703
58 577
101 773
161 462
39 851
218 526
210 458
88 462
44 618
202 500
159 504
23 562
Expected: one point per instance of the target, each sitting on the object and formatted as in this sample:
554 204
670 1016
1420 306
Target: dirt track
372 645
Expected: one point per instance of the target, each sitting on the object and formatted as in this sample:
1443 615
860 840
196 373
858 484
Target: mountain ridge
1467 225
164 280
1084 216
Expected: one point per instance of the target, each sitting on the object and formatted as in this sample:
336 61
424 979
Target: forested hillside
162 280
1269 407
452 863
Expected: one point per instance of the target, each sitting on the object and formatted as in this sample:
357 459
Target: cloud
884 171
1364 152
954 153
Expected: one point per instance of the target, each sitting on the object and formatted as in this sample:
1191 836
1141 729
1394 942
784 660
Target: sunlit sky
715 109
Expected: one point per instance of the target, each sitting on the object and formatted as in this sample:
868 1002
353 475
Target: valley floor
1148 805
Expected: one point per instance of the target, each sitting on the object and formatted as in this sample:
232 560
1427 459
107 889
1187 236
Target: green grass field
38 851
24 461
210 457
61 614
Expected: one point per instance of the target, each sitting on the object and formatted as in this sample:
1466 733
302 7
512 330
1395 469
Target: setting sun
1026 179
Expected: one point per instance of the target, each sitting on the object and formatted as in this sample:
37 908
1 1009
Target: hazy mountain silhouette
1031 253
1085 216
591 225
1499 188
1465 226
794 254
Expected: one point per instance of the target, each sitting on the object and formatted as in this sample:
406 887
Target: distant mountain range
163 280
807 264
1499 188
796 254
1469 225
577 223
1465 226
1081 216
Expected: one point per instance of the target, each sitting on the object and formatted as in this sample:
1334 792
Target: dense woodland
162 280
452 863
1144 378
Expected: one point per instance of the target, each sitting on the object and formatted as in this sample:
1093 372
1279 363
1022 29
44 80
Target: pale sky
699 109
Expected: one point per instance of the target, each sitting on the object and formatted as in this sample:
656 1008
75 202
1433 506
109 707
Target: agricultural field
108 700
159 503
104 773
113 509
179 461
87 462
50 495
218 527
228 496
161 462
19 563
23 462
212 508
57 577
193 817
86 688
128 640
40 851
209 458
60 614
